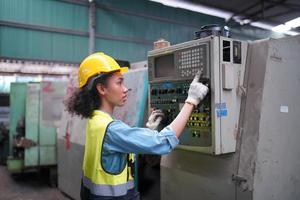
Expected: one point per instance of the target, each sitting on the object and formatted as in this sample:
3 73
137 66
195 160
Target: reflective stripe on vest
108 190
95 178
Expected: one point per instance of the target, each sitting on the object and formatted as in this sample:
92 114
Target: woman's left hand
154 119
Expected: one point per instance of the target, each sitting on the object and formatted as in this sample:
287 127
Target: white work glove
155 119
197 91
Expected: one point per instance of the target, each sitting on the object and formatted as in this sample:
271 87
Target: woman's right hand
197 91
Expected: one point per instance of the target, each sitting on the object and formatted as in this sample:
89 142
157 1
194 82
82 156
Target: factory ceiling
273 12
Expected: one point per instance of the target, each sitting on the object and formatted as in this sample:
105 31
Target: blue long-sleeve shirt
121 139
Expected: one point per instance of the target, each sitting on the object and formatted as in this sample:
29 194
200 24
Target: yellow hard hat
97 63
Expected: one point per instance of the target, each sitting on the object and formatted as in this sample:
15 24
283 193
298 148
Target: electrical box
212 127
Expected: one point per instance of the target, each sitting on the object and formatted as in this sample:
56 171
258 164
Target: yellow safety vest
95 178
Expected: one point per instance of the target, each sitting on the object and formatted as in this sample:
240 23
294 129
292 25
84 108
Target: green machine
35 110
4 126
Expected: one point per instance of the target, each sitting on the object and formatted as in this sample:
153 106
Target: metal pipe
75 32
92 26
42 28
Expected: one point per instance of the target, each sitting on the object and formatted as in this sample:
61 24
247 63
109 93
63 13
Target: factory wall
40 40
58 29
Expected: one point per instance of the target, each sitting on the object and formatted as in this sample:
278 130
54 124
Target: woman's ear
101 89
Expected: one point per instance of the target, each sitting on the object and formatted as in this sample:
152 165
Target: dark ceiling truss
291 6
259 9
264 7
269 17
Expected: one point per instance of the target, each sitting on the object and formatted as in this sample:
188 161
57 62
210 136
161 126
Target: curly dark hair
84 101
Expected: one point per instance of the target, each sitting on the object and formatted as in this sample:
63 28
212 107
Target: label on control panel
221 110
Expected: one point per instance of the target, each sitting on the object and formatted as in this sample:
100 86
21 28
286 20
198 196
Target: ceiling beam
253 17
263 9
244 10
292 6
271 16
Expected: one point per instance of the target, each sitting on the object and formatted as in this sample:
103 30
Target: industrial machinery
242 142
3 142
213 125
35 109
4 124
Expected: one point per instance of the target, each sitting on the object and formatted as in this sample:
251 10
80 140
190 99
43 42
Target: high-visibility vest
95 178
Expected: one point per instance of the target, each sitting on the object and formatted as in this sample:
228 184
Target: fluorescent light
281 28
291 33
293 23
246 21
196 8
261 25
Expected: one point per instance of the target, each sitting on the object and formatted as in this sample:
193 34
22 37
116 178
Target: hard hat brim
123 69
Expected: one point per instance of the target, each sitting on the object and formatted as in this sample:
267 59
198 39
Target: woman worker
110 142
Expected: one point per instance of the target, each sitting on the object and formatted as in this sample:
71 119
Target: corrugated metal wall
33 44
125 29
45 12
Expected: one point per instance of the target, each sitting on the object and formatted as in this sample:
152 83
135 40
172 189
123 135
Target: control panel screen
164 66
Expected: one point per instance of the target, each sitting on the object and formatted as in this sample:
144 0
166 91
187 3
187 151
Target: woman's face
115 91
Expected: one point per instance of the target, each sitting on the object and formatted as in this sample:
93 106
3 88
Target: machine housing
212 127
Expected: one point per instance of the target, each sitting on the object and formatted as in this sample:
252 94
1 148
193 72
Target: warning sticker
221 109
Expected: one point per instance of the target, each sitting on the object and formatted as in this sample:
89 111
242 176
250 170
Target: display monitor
164 66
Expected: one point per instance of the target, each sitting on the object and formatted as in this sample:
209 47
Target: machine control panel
211 127
170 97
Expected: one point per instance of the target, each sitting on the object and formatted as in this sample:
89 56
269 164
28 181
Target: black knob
153 91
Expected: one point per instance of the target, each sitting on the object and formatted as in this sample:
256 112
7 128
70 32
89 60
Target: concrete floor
26 187
31 186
